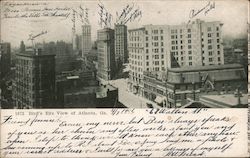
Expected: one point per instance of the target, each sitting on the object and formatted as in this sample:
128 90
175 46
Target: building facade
106 54
5 59
121 48
34 85
86 39
178 86
159 47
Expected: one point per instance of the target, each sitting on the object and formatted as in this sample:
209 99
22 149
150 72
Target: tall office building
86 39
34 85
105 48
121 49
5 59
159 47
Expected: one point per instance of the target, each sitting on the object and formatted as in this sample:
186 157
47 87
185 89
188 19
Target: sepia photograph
128 78
126 54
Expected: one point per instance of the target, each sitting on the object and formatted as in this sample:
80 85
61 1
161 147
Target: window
209 46
146 38
172 37
180 36
189 35
147 63
161 37
190 63
157 69
181 58
161 43
218 46
162 50
209 35
156 38
217 28
189 46
218 40
162 56
146 32
155 31
210 53
156 56
189 41
218 58
176 42
181 41
173 42
189 52
209 41
176 47
181 52
217 34
180 30
181 47
210 59
156 44
189 30
190 57
156 62
146 50
162 62
173 47
176 53
161 31
218 52
146 44
147 57
209 29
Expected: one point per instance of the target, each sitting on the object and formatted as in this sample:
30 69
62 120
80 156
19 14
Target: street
129 99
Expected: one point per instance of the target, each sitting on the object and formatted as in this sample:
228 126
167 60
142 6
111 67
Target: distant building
106 60
177 86
159 47
34 85
5 59
121 48
65 57
86 39
229 55
77 47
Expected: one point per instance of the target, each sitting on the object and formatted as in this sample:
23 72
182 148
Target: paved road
129 99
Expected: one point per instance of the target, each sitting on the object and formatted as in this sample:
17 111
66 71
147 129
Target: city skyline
166 14
162 57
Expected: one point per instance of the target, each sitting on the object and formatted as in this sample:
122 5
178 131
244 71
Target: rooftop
205 68
225 100
32 52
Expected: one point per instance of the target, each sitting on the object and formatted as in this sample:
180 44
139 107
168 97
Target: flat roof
205 68
226 99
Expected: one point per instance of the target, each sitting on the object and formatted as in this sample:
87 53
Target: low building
178 86
92 97
225 101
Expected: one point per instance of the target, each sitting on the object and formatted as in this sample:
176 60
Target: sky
233 14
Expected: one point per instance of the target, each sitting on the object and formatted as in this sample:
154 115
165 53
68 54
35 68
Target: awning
159 99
